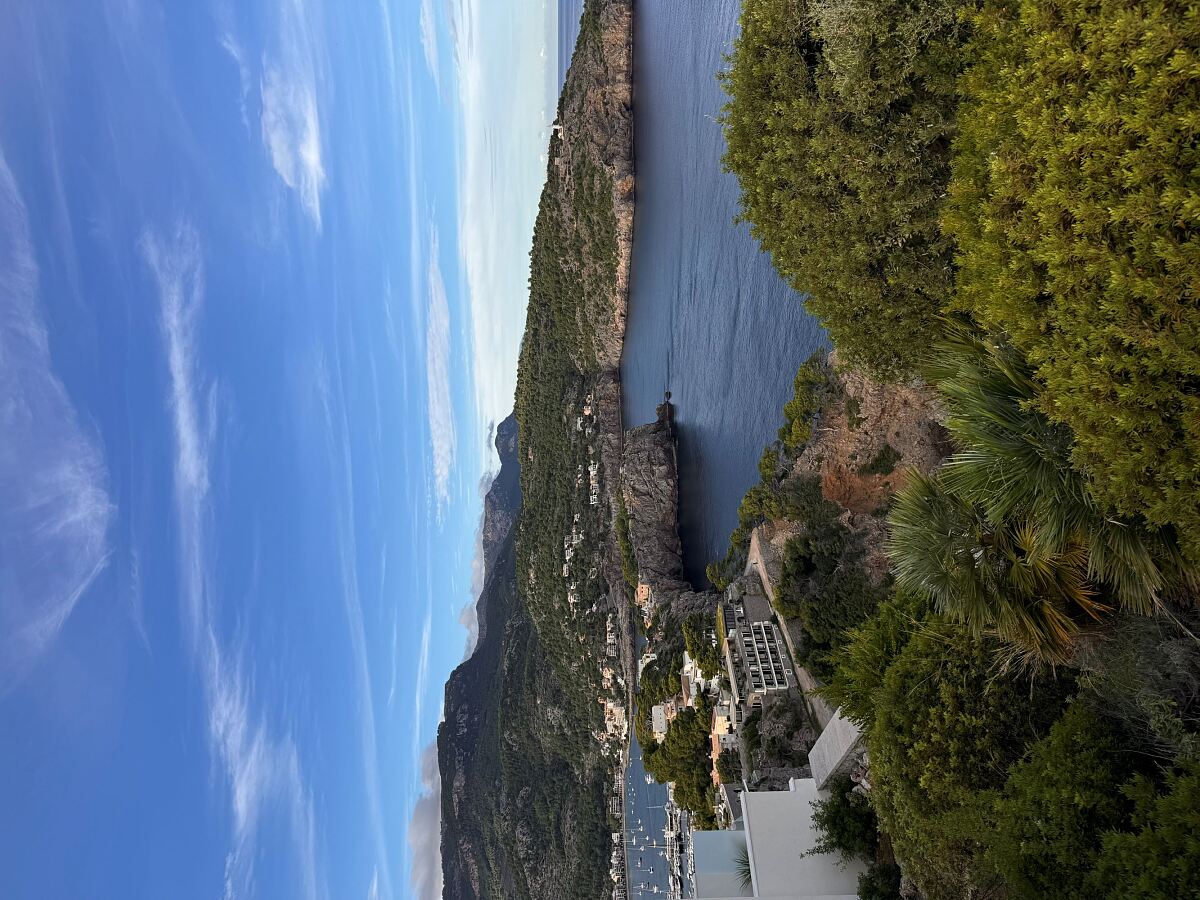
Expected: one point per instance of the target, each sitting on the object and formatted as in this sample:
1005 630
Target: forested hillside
526 764
1000 198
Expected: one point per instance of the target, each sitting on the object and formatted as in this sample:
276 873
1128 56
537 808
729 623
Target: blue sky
262 269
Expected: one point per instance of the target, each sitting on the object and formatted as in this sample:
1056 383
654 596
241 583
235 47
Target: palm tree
1006 537
742 866
1000 579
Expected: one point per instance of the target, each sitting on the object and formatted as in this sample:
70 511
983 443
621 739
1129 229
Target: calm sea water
569 12
709 319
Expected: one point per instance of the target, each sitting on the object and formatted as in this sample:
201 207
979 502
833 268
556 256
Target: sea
710 320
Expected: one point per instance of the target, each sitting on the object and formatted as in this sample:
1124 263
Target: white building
754 656
836 750
692 681
658 722
775 842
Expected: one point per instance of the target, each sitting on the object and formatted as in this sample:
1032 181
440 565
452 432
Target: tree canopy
1075 205
683 758
838 127
942 728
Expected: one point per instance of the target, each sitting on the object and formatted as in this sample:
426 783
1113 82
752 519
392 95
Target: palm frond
1006 538
742 865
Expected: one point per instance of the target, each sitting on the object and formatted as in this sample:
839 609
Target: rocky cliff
870 436
595 136
650 485
503 499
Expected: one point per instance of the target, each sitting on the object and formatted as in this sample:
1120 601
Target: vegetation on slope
1006 537
1075 207
1055 211
530 819
683 758
838 127
823 583
775 496
1025 795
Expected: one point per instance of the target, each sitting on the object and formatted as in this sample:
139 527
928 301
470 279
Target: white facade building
776 840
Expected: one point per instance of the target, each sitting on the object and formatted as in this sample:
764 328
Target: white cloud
291 121
504 89
395 667
429 41
425 832
55 510
232 46
177 269
137 612
258 767
437 374
422 675
386 36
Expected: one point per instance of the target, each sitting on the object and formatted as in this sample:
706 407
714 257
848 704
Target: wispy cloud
395 666
437 373
55 510
422 684
425 831
137 611
337 430
176 266
429 41
233 47
258 767
291 120
387 40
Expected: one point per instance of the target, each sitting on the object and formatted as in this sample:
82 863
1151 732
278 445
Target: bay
709 320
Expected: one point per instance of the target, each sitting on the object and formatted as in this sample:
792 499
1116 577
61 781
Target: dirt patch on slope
867 441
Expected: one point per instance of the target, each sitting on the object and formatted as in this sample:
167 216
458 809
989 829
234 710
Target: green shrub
628 561
845 822
880 882
854 413
729 767
1055 806
823 582
768 465
1075 204
838 128
749 730
1160 858
810 392
945 729
698 632
883 462
859 665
